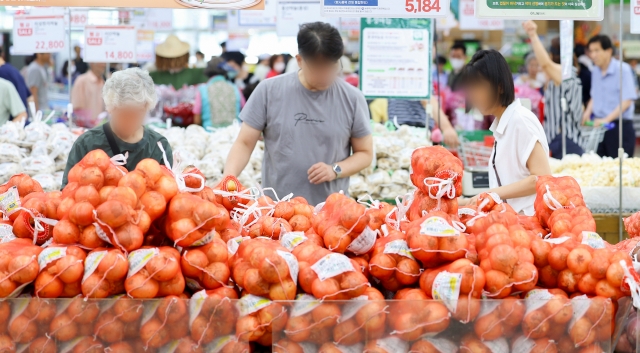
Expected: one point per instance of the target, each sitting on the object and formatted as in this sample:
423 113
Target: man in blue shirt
11 74
605 97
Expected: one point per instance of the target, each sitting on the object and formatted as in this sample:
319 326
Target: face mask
456 64
232 74
279 67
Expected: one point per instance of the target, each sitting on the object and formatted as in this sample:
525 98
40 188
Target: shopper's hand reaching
530 27
320 173
450 137
585 118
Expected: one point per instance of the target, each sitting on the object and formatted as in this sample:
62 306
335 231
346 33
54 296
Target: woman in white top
521 152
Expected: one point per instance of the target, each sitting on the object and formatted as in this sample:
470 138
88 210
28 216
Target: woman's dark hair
490 65
604 40
214 67
273 58
65 68
320 40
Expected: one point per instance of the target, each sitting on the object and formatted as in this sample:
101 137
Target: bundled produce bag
415 315
61 271
555 193
154 272
571 221
547 314
212 315
193 221
437 172
471 343
73 319
392 263
423 204
19 266
230 193
437 238
498 318
104 273
263 267
259 319
434 345
311 320
35 219
206 267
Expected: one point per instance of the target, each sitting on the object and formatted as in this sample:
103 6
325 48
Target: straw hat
172 47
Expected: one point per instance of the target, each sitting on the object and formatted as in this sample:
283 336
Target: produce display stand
608 226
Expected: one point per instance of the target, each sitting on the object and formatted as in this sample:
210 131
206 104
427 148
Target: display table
607 225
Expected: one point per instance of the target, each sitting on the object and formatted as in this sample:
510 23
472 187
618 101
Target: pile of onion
105 272
260 319
40 205
154 273
263 267
548 313
414 315
424 204
392 263
192 220
574 220
61 271
212 314
286 216
206 267
554 194
18 265
499 318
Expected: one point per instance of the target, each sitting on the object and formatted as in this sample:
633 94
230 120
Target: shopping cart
591 136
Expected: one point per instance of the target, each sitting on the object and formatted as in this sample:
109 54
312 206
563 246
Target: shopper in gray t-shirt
38 80
315 125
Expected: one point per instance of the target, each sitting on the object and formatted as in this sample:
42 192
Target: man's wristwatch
337 170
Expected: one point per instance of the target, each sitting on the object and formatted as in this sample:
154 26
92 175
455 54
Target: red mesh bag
555 193
392 263
230 193
632 225
532 224
263 267
260 319
212 314
192 221
423 204
154 273
437 238
437 172
16 190
205 267
105 272
61 271
415 315
571 222
19 266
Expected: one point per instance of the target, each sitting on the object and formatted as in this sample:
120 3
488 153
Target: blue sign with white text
350 2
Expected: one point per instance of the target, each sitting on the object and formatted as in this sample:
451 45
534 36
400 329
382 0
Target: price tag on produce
38 34
386 8
113 44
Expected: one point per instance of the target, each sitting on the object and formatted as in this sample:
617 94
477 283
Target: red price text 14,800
52 44
121 55
417 6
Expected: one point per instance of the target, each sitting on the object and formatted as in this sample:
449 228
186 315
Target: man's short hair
604 40
320 39
459 46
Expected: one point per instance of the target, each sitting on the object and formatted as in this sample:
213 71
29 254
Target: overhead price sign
79 18
395 58
588 10
112 44
635 16
266 17
385 8
175 4
38 34
291 14
145 48
469 21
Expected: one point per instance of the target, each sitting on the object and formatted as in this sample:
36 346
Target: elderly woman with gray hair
128 96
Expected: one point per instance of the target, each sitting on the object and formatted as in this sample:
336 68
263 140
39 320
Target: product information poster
110 44
145 48
291 14
152 19
589 10
395 58
469 21
566 48
38 34
385 8
635 16
266 17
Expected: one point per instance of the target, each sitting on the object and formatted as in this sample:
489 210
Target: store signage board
635 16
385 8
152 19
631 49
145 48
566 48
263 18
38 34
469 21
291 14
587 10
395 58
170 4
79 18
112 44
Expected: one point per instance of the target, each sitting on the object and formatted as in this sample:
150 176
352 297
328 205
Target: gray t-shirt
10 104
303 127
37 76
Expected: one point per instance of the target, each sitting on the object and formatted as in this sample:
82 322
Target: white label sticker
49 255
249 304
536 298
393 345
292 263
139 258
352 307
149 308
332 265
206 239
6 233
399 247
10 201
195 305
364 242
91 263
580 306
304 304
523 345
446 287
443 345
438 227
593 240
497 346
234 244
219 343
101 234
292 239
